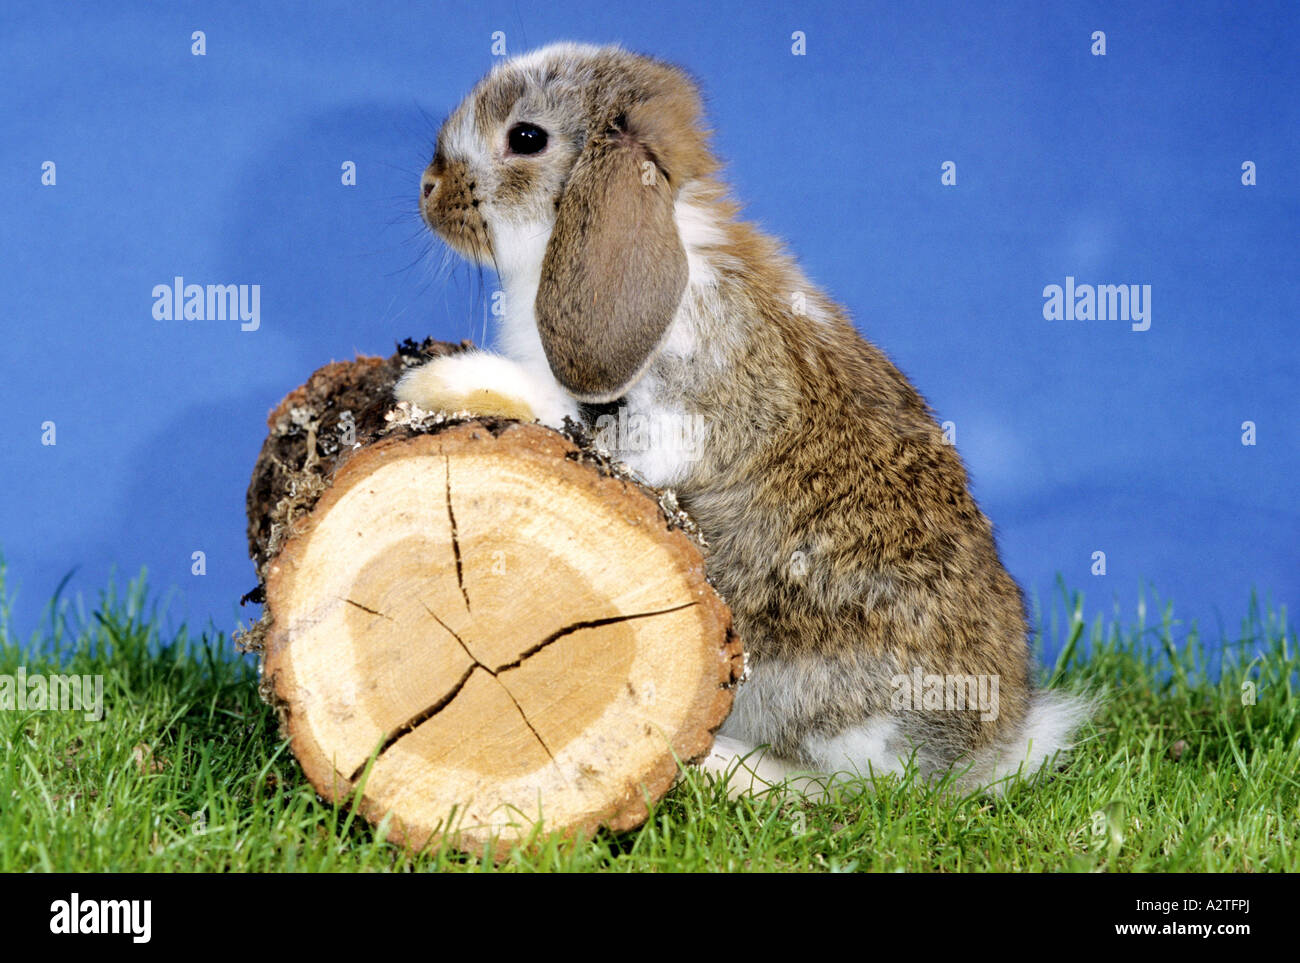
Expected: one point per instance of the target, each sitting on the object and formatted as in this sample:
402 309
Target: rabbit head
565 167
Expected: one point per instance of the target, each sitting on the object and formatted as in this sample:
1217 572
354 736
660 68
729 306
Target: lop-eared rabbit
879 622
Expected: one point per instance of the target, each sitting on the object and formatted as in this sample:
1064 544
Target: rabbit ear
615 268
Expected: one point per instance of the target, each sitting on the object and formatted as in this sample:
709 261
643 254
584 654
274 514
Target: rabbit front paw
475 383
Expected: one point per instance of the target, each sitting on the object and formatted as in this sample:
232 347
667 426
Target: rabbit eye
526 139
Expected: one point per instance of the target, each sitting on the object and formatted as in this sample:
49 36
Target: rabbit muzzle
449 204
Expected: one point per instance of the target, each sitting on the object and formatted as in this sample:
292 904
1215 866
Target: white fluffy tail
1038 743
1043 739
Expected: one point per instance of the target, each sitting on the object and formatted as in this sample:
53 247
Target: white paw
753 771
485 384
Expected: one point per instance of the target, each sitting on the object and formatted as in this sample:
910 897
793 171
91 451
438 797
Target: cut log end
480 632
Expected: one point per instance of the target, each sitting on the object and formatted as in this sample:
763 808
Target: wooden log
480 626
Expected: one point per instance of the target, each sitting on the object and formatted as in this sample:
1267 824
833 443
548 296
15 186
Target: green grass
186 772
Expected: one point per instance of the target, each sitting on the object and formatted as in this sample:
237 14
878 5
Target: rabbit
862 577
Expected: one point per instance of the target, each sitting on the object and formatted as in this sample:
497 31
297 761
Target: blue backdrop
1082 436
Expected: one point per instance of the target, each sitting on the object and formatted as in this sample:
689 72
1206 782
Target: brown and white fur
839 522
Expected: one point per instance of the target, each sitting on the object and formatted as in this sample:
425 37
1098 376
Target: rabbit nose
428 184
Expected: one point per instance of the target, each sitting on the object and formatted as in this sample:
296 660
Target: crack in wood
579 626
455 635
506 689
522 715
455 536
419 719
366 608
